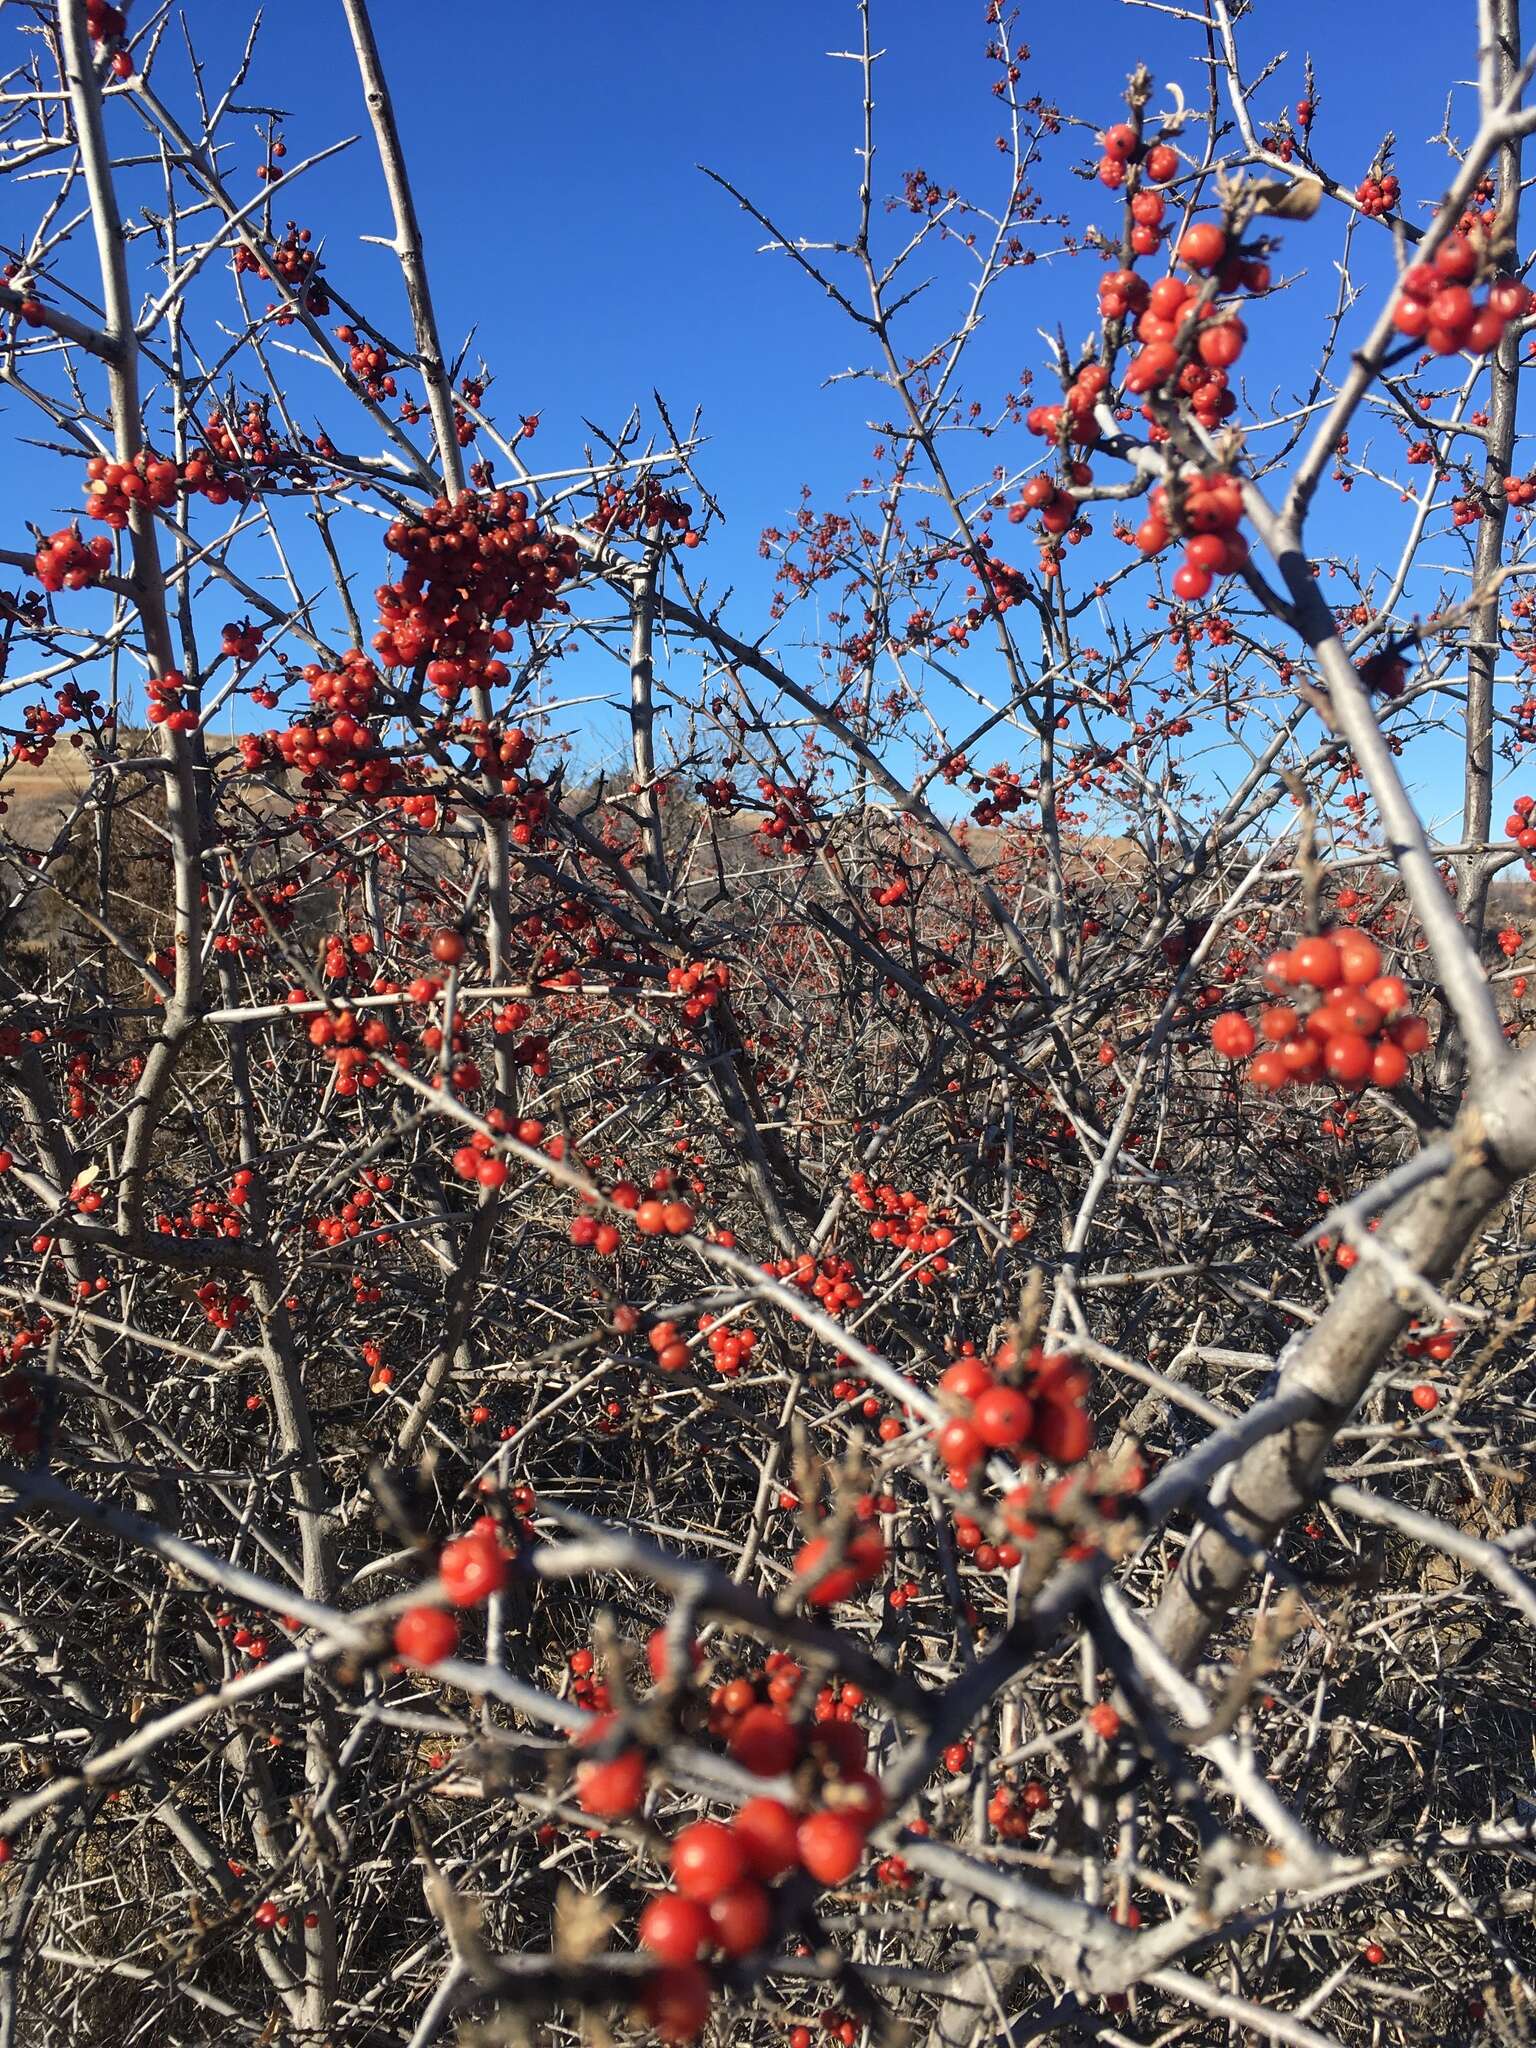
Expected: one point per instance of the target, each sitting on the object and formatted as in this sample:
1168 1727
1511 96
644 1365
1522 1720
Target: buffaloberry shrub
858 1371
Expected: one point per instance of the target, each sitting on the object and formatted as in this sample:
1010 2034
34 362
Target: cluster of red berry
1205 510
171 702
293 263
67 561
834 1568
1180 324
465 425
1127 157
588 1691
625 509
790 806
1057 507
470 1568
44 723
266 173
338 747
1072 420
210 1213
731 1344
107 26
719 792
113 488
1005 1405
1377 195
369 363
240 640
84 1069
723 1874
499 753
257 1647
750 1715
1357 1031
252 441
1440 1346
348 1042
1001 791
658 1214
1011 1808
830 1278
222 1307
721 1898
1436 306
479 1161
348 1221
345 951
903 1219
703 984
1518 826
468 564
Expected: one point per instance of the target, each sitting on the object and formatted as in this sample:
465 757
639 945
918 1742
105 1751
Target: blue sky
554 153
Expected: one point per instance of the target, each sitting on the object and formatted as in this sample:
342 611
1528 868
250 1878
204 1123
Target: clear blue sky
554 154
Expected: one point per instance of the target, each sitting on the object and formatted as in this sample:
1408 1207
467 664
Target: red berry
707 1859
1002 1417
1233 1036
766 1830
1203 246
740 1918
1389 1065
966 1378
959 1443
765 1742
1347 1057
1317 961
614 1788
1221 343
426 1635
673 1928
831 1846
1206 550
656 1654
1456 258
1388 993
472 1568
1452 308
1360 959
676 2002
863 1560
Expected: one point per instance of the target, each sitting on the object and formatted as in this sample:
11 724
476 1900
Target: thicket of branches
870 1377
